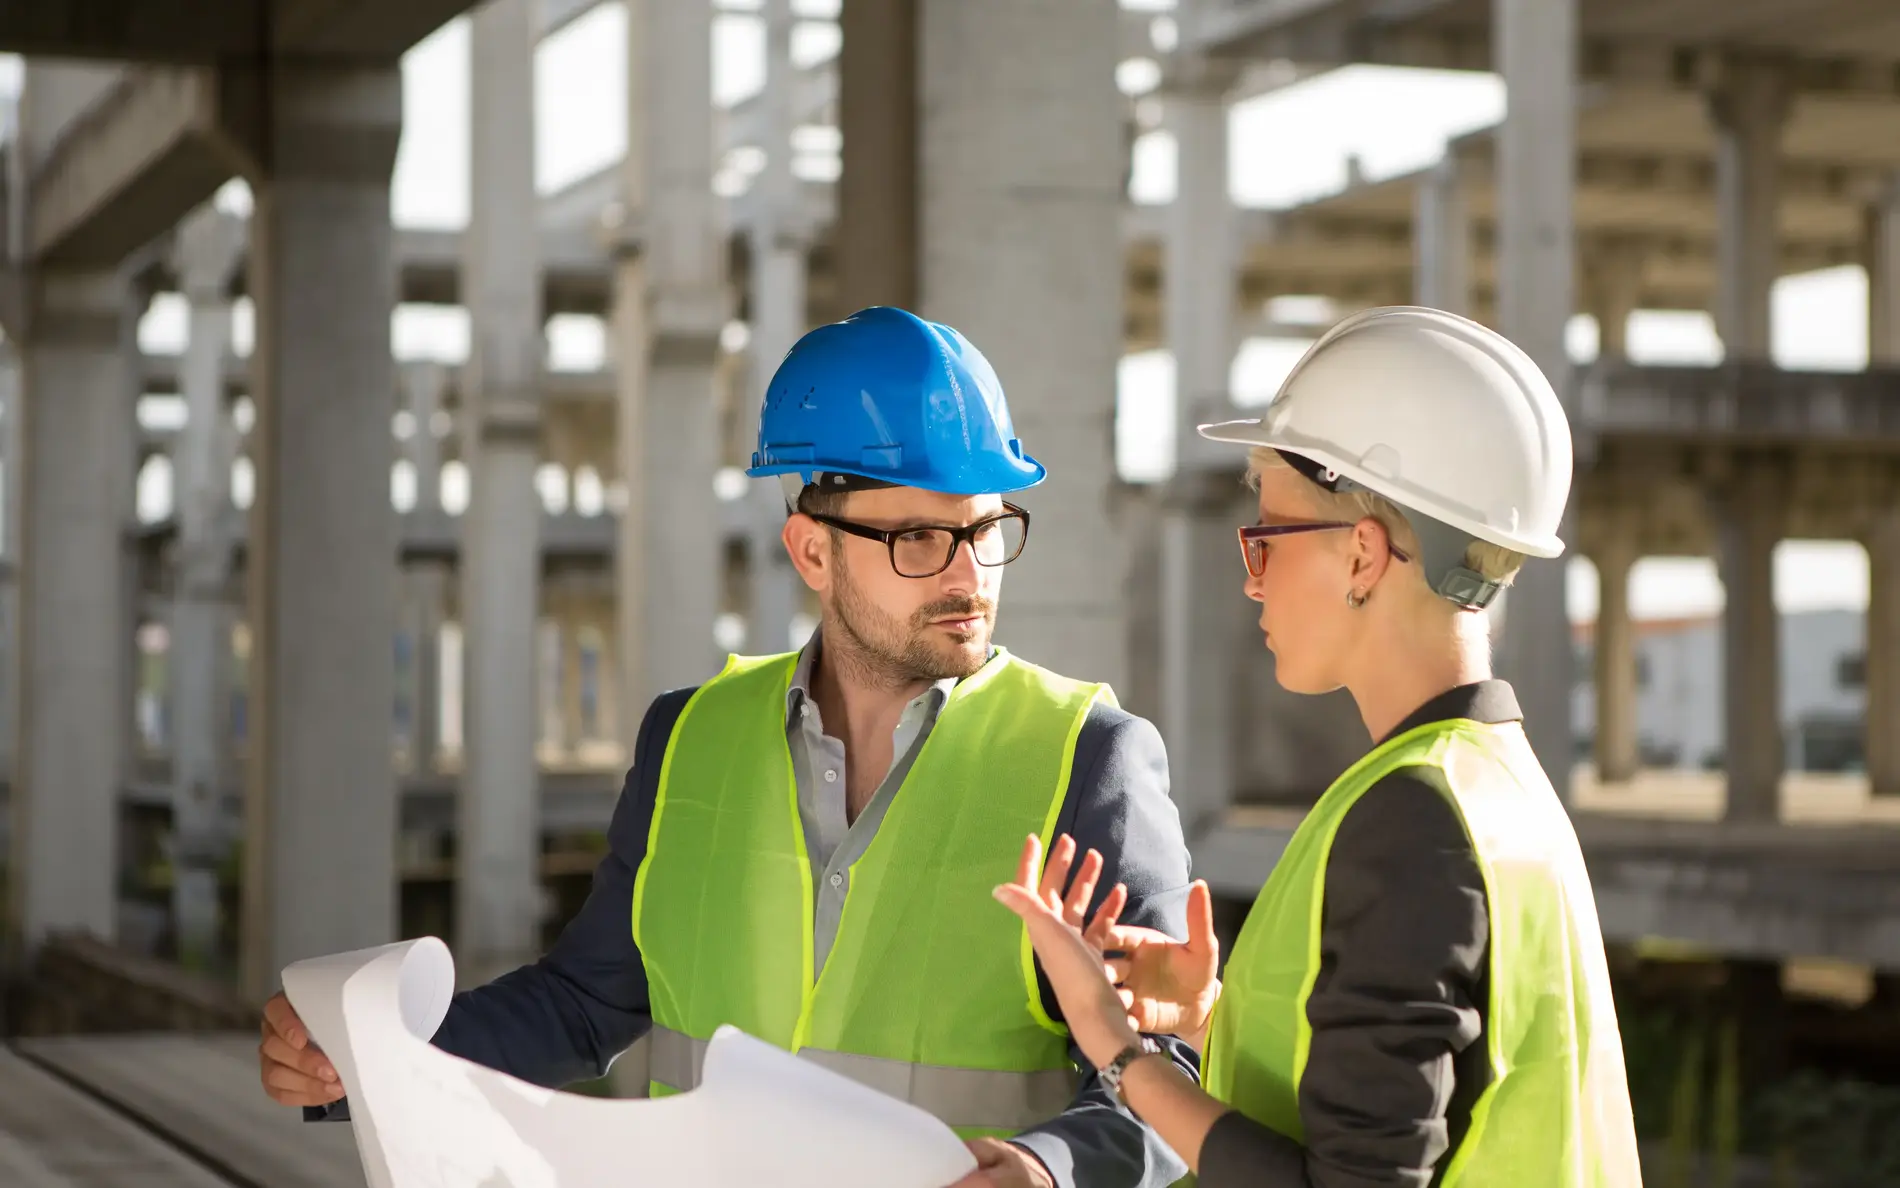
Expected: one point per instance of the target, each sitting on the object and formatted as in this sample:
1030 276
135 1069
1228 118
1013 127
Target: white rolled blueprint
426 1119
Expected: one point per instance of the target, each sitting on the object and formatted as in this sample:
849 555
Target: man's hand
1004 1165
294 1071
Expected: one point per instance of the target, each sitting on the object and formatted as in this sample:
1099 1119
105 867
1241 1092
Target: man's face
912 629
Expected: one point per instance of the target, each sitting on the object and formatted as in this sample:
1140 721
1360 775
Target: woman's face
1302 589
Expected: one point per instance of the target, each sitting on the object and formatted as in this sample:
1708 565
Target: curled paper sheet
426 1119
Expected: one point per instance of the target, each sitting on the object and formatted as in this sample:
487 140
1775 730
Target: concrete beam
1326 32
153 148
139 30
1749 890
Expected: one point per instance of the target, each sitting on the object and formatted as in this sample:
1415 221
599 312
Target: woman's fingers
1055 872
1200 920
1082 890
1102 929
1030 862
1021 900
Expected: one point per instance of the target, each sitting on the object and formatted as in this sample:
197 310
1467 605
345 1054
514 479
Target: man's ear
808 544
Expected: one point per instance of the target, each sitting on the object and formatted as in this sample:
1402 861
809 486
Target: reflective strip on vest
967 1097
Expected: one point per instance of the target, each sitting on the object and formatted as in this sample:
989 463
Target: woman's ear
1371 552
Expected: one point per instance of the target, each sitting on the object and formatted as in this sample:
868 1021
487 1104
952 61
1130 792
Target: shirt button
837 880
831 777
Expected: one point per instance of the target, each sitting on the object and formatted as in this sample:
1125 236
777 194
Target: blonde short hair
1493 563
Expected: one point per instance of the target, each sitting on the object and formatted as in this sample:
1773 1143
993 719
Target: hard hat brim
969 480
1254 432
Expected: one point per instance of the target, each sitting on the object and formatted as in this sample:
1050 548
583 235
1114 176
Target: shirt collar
800 691
1493 702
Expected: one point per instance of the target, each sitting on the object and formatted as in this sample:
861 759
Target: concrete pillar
670 302
426 587
320 873
1200 596
1441 240
210 245
1536 49
1883 647
10 456
1749 106
569 633
498 890
1749 519
780 246
1883 276
877 240
1020 131
426 583
1616 684
425 385
1613 280
75 688
607 687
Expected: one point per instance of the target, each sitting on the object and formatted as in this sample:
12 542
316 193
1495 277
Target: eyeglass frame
958 537
1249 533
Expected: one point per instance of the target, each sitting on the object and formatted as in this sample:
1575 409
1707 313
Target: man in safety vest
806 844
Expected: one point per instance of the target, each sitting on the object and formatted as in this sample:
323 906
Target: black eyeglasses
928 549
1254 538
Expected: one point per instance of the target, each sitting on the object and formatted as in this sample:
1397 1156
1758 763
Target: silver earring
1356 601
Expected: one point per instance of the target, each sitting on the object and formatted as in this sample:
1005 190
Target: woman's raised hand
1112 980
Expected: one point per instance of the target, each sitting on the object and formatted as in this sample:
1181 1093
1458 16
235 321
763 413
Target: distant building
1679 691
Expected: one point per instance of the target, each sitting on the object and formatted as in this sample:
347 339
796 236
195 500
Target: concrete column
75 689
10 457
1749 106
1441 240
780 246
1883 276
570 685
607 689
670 303
1883 647
1200 598
1750 518
320 872
425 385
1616 684
498 889
210 245
426 589
1021 181
426 584
877 241
1536 48
1613 277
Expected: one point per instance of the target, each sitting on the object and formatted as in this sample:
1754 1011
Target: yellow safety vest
929 992
1557 1111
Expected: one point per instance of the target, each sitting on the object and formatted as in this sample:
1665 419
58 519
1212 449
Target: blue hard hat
885 395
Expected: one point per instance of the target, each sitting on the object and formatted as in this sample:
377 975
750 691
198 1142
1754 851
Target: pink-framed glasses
1254 538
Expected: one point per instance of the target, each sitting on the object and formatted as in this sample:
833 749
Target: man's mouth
961 626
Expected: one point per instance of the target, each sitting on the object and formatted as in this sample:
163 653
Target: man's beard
896 653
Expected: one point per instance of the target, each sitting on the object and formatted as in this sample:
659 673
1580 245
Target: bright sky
1285 147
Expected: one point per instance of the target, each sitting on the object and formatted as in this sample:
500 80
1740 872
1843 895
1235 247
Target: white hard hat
1439 414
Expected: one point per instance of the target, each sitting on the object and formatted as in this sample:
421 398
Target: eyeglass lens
926 551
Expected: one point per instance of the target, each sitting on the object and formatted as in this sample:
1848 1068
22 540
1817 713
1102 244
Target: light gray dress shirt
818 769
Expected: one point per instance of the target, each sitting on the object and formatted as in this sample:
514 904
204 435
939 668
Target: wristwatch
1112 1072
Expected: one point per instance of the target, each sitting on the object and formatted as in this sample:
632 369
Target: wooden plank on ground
201 1091
55 1136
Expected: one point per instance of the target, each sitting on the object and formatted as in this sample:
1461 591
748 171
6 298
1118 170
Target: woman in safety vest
1419 995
